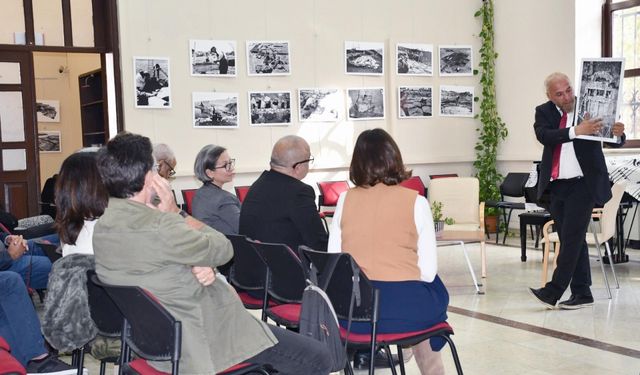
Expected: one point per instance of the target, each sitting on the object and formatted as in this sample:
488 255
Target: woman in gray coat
212 205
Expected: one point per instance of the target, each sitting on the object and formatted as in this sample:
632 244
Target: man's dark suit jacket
281 209
588 153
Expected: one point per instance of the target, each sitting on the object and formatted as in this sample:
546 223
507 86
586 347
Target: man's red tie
555 163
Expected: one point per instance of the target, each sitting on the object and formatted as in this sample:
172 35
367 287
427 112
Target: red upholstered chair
286 281
187 198
339 275
241 192
9 365
329 193
415 183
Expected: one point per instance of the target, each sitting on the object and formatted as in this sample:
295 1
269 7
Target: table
530 218
453 237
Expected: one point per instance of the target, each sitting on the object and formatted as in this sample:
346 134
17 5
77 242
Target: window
621 31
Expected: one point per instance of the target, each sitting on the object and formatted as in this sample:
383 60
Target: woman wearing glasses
212 205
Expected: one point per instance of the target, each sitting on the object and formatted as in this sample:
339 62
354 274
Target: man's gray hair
554 77
162 152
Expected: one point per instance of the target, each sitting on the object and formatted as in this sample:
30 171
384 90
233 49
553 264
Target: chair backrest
187 198
330 192
513 184
241 192
459 197
610 210
249 269
287 276
442 175
415 183
104 311
149 329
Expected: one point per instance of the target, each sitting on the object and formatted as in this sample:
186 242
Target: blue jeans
19 324
34 266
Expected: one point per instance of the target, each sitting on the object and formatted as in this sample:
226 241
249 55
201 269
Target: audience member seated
212 205
20 327
80 199
47 197
279 207
165 160
33 267
389 231
172 255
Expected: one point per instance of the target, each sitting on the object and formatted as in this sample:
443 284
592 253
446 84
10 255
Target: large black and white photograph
49 141
414 59
320 105
365 103
456 60
600 94
48 110
456 101
364 58
151 77
415 101
268 58
213 58
215 110
269 108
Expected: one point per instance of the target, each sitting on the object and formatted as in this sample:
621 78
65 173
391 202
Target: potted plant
438 220
492 129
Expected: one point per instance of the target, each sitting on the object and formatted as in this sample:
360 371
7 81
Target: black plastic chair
248 273
285 282
342 278
511 186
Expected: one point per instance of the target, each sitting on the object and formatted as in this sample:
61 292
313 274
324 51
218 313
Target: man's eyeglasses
310 161
172 172
229 166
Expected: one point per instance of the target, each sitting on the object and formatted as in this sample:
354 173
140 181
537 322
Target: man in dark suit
279 208
575 173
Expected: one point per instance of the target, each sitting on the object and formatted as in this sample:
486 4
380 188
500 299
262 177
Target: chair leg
604 274
506 227
545 261
400 360
103 367
454 353
483 255
392 365
473 274
607 249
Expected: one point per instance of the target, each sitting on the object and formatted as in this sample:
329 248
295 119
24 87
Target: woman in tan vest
389 231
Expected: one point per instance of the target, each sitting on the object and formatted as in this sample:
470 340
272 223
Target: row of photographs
270 108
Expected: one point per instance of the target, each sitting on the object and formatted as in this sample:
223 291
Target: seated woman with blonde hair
388 229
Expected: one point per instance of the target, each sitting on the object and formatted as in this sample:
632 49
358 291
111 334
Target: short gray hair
207 159
554 77
162 152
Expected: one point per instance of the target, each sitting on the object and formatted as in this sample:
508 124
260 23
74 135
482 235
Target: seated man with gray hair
165 160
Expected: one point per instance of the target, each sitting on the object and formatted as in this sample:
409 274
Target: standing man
279 207
575 173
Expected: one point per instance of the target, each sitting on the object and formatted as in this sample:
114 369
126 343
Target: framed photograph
456 101
268 58
215 109
48 110
415 101
366 103
319 105
213 58
600 94
364 58
456 60
414 59
151 79
49 141
268 108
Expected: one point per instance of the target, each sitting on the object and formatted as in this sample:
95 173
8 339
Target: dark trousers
571 208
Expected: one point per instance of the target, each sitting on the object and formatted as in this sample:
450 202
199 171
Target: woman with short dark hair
211 204
389 231
80 198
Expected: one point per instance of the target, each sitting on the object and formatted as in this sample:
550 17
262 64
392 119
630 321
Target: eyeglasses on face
229 166
310 161
172 171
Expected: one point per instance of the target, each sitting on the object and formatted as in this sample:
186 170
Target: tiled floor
506 332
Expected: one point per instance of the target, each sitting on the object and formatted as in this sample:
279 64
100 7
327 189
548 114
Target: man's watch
183 213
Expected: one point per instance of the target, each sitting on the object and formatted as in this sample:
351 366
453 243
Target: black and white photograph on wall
213 58
456 101
414 59
215 110
151 77
320 105
269 108
415 101
48 110
366 103
456 60
600 95
49 141
268 58
365 58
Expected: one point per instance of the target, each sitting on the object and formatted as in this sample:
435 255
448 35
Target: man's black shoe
576 301
361 360
539 295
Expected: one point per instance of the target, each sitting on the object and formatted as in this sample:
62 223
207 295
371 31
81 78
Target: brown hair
376 158
80 194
